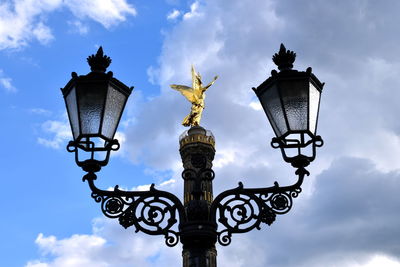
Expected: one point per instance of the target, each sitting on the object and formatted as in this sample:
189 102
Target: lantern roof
98 64
284 59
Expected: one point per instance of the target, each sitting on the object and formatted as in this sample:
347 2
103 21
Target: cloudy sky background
347 214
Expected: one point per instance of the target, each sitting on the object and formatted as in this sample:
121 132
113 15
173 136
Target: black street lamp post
290 99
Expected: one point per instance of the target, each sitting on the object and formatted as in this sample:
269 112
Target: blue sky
347 212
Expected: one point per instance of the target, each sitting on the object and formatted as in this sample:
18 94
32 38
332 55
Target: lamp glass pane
272 106
114 107
314 105
91 105
295 100
72 109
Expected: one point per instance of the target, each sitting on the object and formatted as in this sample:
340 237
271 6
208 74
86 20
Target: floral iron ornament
195 95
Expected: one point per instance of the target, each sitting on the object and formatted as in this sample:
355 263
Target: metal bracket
153 212
240 210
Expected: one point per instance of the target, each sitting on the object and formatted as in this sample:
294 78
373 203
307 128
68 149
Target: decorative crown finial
284 59
99 62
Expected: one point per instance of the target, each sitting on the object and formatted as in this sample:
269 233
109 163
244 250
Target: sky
347 214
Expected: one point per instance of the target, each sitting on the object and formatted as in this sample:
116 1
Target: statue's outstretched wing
186 91
211 83
196 79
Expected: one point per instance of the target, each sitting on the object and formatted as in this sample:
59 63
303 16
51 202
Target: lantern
95 103
291 100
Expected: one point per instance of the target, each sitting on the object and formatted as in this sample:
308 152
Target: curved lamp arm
153 212
241 209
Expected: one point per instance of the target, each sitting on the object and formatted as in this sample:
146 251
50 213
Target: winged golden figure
196 95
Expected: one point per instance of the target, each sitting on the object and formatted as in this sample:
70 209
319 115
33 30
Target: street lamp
290 100
95 103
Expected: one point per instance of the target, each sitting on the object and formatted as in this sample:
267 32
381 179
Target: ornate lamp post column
198 234
290 99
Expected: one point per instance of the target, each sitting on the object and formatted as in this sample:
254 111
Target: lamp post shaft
198 233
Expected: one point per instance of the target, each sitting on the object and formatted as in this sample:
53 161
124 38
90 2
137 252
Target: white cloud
174 14
381 260
153 74
224 157
381 146
79 27
108 246
165 185
23 21
59 132
74 251
40 111
42 33
256 105
120 136
144 187
106 12
6 83
193 11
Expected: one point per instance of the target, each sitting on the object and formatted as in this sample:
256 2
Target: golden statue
196 95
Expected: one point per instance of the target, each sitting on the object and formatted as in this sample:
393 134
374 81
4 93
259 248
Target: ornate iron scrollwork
153 212
240 210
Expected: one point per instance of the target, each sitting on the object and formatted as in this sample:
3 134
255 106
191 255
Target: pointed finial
284 58
99 62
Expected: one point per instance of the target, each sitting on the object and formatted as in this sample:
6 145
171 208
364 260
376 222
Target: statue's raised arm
211 83
196 96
